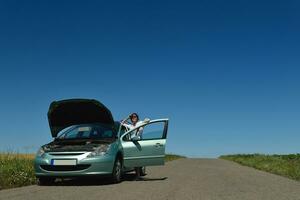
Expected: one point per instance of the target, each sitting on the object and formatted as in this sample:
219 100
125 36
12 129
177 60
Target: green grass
284 165
17 170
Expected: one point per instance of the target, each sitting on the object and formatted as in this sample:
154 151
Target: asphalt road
181 179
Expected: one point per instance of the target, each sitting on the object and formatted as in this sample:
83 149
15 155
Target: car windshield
87 132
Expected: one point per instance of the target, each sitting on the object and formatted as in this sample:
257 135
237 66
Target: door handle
158 145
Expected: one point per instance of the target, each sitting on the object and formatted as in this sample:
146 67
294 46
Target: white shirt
138 133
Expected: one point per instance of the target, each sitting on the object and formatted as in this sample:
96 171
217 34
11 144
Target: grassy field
284 165
17 170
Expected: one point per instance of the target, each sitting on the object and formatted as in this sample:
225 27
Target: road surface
210 179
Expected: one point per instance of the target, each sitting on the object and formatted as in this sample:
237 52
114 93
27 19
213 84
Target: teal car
88 142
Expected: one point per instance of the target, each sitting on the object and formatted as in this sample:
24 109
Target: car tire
46 180
143 171
117 171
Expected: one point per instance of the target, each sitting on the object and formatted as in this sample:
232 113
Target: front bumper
98 165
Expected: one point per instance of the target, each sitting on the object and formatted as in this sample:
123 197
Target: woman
134 118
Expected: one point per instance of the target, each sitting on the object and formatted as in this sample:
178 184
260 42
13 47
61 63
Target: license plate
63 162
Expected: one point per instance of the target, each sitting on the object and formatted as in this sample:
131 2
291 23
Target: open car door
150 148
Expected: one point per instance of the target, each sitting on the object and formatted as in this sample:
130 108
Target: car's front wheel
46 180
117 171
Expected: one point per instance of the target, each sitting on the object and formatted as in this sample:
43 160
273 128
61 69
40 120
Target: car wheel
45 180
117 171
143 171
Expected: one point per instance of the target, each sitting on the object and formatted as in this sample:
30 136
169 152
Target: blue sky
226 73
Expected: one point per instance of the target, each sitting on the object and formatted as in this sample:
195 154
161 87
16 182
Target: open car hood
65 113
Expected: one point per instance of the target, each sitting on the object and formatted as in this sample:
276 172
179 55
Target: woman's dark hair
134 114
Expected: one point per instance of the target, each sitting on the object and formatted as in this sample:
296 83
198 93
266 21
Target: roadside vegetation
170 157
284 165
17 170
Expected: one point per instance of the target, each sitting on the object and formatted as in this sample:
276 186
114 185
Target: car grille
60 168
66 154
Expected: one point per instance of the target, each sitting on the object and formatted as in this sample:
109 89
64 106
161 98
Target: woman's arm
124 121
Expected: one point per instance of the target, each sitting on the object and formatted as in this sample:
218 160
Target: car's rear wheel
46 180
117 171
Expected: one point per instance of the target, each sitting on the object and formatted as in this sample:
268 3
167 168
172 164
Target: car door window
124 130
153 131
150 131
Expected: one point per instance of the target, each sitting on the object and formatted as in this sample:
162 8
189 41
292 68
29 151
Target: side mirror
146 120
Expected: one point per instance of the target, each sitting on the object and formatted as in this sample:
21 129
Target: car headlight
40 152
99 151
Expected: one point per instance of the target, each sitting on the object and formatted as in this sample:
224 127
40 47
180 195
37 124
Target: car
88 142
